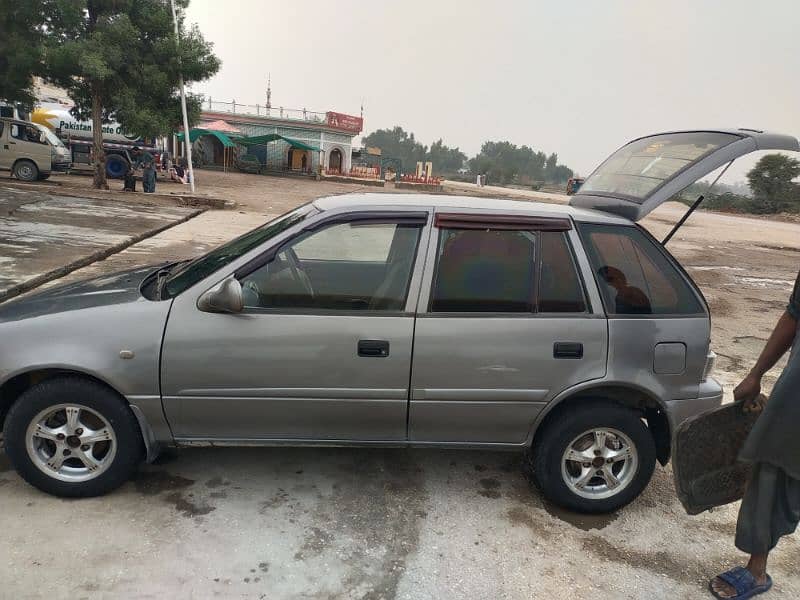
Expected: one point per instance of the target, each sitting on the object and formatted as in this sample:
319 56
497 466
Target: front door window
343 267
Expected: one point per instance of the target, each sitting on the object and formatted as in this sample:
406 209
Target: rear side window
634 275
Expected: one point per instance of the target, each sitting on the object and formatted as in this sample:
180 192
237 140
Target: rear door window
484 270
634 275
505 271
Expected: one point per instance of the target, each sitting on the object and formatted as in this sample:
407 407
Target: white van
30 151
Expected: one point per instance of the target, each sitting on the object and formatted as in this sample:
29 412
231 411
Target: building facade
310 141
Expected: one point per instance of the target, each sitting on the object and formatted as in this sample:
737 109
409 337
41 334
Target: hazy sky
578 78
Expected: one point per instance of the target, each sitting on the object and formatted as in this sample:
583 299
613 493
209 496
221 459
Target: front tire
26 170
594 458
73 437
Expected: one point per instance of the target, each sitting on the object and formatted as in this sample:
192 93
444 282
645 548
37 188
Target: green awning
196 133
263 140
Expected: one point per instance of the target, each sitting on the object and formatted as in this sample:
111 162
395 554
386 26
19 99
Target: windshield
642 166
51 137
205 265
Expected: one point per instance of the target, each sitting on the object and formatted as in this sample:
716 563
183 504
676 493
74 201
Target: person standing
771 505
144 160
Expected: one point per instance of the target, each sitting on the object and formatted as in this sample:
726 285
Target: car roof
471 203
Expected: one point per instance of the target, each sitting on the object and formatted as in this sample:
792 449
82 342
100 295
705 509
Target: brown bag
705 456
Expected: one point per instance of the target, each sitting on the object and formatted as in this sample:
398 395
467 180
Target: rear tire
73 437
26 170
594 458
116 166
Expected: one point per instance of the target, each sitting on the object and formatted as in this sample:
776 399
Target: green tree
771 181
504 163
397 143
21 48
445 159
118 60
550 167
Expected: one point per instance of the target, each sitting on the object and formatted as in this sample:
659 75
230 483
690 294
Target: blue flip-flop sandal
741 580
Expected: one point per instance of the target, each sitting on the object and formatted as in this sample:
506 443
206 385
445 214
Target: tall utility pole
186 136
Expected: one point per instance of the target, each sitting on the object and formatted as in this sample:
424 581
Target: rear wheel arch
650 408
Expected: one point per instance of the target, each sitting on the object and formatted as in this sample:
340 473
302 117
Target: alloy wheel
599 463
71 442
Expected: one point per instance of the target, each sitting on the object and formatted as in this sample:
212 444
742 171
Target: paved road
41 232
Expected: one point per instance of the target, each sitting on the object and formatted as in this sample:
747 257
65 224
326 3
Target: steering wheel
297 271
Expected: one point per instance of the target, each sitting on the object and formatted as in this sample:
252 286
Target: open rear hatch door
648 171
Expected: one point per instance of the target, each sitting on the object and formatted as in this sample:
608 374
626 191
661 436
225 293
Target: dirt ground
395 524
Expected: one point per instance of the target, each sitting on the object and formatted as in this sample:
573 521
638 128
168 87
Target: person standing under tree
771 505
145 161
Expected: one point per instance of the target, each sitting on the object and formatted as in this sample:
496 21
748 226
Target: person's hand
755 406
747 392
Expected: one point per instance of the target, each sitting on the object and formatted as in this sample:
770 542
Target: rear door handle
568 350
374 348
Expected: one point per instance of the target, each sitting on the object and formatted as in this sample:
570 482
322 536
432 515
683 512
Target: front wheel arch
55 427
13 388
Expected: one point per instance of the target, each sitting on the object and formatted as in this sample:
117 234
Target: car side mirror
223 298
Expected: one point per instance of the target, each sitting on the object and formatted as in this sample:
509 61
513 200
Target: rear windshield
634 274
639 168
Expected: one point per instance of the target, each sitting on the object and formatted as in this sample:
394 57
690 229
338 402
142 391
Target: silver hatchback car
566 332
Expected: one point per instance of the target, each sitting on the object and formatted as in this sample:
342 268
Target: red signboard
345 122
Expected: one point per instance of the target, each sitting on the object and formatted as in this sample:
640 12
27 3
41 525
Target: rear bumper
710 397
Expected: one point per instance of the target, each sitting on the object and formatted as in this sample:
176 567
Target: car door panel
478 379
294 370
257 376
483 377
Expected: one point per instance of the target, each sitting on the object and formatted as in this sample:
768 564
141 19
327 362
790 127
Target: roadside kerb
59 189
84 261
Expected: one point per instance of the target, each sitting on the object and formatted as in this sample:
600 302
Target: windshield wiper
162 275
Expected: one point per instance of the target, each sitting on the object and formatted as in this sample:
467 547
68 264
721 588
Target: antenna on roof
269 92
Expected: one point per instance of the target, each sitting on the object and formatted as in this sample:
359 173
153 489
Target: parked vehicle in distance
77 137
29 151
248 163
565 332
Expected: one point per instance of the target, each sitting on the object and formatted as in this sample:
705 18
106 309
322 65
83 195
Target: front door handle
374 348
568 350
